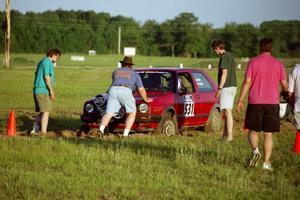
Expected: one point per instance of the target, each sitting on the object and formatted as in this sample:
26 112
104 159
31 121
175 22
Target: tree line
80 31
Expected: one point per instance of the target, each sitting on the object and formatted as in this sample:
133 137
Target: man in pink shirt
263 75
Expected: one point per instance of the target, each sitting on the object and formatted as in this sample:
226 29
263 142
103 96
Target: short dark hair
265 45
218 43
53 51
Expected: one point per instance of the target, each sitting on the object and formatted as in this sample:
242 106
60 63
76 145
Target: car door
206 95
187 100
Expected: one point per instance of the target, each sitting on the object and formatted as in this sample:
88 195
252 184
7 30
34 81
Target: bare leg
224 136
253 139
105 119
130 120
44 121
229 124
268 146
38 119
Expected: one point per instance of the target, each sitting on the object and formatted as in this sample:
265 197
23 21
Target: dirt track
27 118
286 127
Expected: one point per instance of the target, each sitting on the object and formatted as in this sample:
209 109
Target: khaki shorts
42 103
227 97
120 96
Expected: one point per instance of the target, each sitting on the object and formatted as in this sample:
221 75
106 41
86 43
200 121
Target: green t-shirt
227 62
44 68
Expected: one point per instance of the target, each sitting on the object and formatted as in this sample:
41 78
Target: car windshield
157 80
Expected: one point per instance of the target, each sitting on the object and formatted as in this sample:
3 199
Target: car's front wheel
215 120
168 125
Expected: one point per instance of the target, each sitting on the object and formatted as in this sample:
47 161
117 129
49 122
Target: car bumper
143 122
89 118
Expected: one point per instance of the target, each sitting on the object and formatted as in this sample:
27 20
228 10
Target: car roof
169 69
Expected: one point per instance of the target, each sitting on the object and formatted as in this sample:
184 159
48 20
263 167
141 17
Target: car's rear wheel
215 120
168 125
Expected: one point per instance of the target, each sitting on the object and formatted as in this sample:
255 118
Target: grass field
191 166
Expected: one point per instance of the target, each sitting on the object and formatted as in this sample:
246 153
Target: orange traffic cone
297 143
11 125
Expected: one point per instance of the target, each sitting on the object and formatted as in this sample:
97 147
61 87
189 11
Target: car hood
154 95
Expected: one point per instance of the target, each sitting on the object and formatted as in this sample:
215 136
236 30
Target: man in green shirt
43 90
226 86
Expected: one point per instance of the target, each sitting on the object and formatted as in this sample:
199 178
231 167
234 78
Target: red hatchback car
182 98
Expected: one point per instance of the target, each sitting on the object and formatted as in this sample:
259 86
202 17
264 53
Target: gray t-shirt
127 76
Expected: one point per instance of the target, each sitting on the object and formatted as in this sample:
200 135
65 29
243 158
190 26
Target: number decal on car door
189 106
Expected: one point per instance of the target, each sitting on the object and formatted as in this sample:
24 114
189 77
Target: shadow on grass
25 123
144 147
205 154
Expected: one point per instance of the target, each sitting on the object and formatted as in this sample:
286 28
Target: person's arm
222 82
143 94
244 90
284 85
49 85
291 83
223 78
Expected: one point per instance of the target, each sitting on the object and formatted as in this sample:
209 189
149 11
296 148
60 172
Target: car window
157 81
202 82
185 81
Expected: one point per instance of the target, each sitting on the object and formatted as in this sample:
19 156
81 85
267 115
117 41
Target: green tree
166 39
149 43
286 37
187 34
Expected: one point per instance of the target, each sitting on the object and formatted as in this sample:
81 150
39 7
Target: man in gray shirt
124 81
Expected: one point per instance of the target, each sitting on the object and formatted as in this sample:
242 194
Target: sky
215 12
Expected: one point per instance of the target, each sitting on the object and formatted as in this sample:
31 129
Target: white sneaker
254 159
102 129
267 166
36 128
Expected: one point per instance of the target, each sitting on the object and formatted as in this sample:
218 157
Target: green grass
179 167
154 167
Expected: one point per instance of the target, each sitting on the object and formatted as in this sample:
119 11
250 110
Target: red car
182 98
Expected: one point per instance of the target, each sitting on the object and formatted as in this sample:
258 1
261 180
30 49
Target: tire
168 125
85 128
214 122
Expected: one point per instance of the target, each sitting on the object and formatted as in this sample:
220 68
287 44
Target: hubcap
169 128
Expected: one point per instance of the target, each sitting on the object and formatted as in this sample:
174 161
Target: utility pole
119 41
7 35
172 47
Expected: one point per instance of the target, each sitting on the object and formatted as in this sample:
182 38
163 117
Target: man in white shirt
294 93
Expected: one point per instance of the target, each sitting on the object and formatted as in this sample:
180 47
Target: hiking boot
267 166
254 160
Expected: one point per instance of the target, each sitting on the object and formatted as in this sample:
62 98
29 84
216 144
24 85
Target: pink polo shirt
265 73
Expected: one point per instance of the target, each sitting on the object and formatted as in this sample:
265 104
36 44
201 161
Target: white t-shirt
294 85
